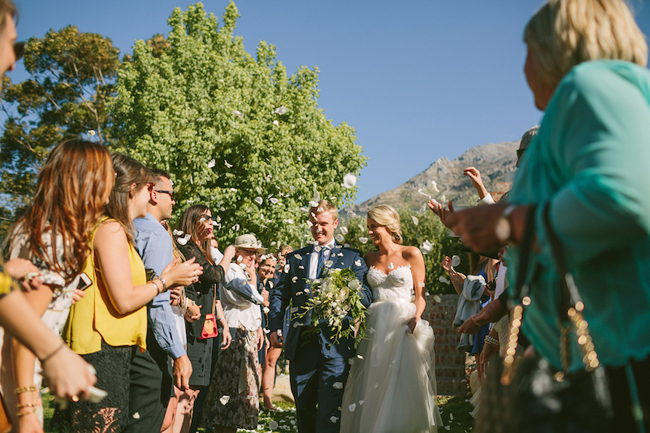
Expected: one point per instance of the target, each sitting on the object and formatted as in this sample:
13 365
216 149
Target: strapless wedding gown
391 388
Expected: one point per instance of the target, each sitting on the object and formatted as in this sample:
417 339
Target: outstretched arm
414 258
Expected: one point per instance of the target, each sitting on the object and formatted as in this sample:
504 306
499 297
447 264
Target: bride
391 387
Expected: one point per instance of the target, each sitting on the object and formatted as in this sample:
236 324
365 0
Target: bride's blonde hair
387 216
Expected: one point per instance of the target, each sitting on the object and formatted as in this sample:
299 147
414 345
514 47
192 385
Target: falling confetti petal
334 418
228 165
435 186
276 123
338 385
443 199
421 284
91 132
212 163
313 203
424 194
258 200
349 180
437 298
363 240
177 233
273 425
286 269
455 260
274 200
184 239
237 113
225 399
351 361
239 259
298 256
352 407
339 238
236 227
415 220
136 415
266 310
391 265
357 263
328 263
294 279
361 402
362 228
344 230
281 110
288 221
443 279
426 247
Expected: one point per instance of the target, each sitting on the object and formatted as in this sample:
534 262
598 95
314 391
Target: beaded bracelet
29 388
493 341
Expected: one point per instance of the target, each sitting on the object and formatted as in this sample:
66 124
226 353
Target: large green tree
236 132
71 77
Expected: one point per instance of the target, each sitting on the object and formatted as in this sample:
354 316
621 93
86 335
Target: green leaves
204 97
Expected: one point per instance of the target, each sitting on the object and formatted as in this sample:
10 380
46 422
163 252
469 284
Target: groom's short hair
325 206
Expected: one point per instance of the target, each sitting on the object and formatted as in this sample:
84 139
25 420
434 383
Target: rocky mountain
496 162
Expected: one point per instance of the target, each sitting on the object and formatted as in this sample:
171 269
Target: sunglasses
169 193
19 50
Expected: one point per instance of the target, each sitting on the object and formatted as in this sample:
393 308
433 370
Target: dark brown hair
128 172
72 189
189 225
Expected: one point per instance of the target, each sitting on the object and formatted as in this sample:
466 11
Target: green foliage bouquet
336 296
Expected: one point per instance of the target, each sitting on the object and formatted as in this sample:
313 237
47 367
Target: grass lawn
455 412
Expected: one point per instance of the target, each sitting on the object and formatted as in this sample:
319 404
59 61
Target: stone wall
450 363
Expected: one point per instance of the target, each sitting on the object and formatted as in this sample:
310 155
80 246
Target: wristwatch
503 229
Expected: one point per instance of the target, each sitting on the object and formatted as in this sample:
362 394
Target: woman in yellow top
108 324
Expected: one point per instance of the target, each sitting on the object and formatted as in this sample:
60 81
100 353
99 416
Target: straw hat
249 242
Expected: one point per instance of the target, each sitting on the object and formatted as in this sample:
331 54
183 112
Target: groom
319 367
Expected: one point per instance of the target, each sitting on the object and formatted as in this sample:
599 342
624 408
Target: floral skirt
233 396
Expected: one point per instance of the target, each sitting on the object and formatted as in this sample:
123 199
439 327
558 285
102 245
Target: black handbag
528 395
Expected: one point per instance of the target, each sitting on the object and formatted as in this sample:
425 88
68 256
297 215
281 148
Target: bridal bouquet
335 296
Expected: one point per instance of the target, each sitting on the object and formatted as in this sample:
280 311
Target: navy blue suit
317 364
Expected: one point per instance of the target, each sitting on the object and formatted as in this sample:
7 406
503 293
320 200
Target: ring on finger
74 398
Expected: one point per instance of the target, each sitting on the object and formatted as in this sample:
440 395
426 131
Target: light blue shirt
154 245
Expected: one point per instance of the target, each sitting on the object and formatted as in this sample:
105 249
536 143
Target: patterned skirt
233 396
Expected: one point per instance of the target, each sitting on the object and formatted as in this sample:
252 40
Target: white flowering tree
236 133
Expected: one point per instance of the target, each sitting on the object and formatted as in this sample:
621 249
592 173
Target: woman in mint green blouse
590 162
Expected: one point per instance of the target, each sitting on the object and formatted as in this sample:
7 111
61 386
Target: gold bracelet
27 412
29 388
20 406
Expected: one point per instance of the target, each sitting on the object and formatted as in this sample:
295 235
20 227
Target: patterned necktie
323 256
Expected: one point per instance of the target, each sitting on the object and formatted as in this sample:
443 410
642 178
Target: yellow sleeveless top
94 317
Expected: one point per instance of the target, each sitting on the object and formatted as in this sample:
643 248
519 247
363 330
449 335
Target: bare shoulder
109 231
371 257
412 255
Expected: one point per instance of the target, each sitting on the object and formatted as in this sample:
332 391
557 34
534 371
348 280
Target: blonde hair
563 33
387 216
325 206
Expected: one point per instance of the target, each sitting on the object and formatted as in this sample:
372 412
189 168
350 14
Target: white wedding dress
391 388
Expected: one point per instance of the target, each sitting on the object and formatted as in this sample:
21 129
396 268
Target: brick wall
450 363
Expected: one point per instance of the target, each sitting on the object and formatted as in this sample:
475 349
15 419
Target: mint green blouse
591 160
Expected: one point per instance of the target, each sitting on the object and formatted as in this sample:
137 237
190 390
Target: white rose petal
363 240
274 200
443 199
225 399
276 123
266 310
91 132
184 239
212 163
339 237
239 259
435 186
455 260
177 233
437 298
258 200
344 230
338 385
424 194
426 247
328 263
349 180
334 419
420 284
415 220
443 279
351 361
371 330
236 227
229 166
361 402
288 221
451 416
352 407
273 425
281 110
313 203
286 268
136 415
294 279
391 265
357 263
360 356
362 228
301 267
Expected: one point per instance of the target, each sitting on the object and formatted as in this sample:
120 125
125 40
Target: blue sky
417 79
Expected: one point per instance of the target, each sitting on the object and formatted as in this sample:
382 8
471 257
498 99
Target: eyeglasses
19 50
169 193
150 186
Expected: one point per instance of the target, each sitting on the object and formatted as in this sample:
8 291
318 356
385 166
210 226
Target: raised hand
181 275
446 264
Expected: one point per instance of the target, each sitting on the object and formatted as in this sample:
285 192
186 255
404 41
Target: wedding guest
67 373
579 178
232 400
197 228
266 283
109 324
53 234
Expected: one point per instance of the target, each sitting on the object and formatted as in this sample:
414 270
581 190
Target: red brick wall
450 363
